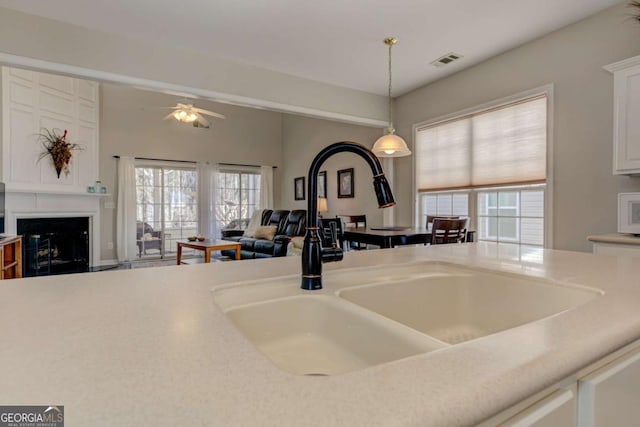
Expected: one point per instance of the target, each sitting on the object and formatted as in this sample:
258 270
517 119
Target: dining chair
444 231
357 222
425 239
430 218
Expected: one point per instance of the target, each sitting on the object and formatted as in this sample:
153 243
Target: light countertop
150 347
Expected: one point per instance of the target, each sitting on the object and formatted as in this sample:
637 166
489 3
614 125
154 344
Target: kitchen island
150 347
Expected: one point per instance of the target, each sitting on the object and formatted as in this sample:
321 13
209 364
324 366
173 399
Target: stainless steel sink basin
465 304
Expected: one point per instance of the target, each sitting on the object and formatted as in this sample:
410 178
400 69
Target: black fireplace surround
54 245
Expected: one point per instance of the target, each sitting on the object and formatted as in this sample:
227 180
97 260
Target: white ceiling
332 41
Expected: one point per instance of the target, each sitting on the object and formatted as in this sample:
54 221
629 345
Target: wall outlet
109 245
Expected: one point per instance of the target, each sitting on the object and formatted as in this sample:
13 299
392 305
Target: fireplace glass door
54 245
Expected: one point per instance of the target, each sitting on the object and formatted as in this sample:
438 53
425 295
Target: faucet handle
334 234
332 254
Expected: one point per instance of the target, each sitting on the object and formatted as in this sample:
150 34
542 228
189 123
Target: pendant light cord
390 41
391 130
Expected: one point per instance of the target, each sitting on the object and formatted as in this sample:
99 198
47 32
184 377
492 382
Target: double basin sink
366 317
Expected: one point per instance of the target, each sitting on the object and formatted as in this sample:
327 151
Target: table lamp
322 206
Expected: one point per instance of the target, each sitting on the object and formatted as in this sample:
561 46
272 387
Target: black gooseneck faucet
313 255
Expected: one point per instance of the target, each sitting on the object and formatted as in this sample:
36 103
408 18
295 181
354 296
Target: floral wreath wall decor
57 146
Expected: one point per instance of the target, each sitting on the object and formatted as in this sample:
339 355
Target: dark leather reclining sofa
289 224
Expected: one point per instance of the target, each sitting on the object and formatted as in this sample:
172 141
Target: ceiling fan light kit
183 116
390 145
187 113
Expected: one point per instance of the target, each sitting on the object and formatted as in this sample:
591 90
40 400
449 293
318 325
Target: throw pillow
266 232
295 245
298 241
292 250
254 223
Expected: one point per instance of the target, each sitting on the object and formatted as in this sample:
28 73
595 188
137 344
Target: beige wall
302 139
131 125
1 123
45 39
572 59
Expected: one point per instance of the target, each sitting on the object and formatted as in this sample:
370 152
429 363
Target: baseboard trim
106 262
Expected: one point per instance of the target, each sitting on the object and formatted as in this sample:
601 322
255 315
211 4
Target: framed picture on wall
322 184
298 188
345 183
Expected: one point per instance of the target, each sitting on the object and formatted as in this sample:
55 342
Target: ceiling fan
187 113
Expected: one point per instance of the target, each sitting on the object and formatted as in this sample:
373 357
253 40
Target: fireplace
57 245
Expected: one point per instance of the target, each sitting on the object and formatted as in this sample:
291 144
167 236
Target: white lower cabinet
605 394
610 396
615 249
558 409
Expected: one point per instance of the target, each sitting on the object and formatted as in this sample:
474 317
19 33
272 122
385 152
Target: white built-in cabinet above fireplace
626 114
32 101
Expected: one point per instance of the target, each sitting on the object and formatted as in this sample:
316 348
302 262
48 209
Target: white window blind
501 146
443 157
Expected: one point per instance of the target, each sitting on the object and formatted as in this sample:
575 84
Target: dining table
391 236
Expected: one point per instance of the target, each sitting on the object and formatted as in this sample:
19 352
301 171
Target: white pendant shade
390 145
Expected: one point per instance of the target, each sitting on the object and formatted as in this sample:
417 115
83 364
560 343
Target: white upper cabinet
626 114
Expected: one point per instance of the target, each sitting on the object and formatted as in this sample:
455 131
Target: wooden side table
207 246
11 257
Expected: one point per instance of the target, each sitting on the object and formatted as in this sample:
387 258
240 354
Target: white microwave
629 213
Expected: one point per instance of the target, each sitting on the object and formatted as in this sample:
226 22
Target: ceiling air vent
446 59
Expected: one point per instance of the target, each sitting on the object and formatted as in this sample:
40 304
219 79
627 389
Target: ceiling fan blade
201 119
208 113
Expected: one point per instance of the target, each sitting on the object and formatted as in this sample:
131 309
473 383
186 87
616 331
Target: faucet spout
312 251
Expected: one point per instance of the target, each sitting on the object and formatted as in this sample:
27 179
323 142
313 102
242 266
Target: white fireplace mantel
13 188
49 205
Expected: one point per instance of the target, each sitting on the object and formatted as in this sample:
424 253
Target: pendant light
390 145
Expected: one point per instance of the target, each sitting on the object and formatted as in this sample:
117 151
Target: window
444 204
238 196
166 208
488 164
514 216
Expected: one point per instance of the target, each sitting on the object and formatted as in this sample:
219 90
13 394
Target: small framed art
322 184
298 188
345 183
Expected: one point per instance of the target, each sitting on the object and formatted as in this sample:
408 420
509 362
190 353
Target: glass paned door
239 197
167 208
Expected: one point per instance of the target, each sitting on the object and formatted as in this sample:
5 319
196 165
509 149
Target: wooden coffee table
207 246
